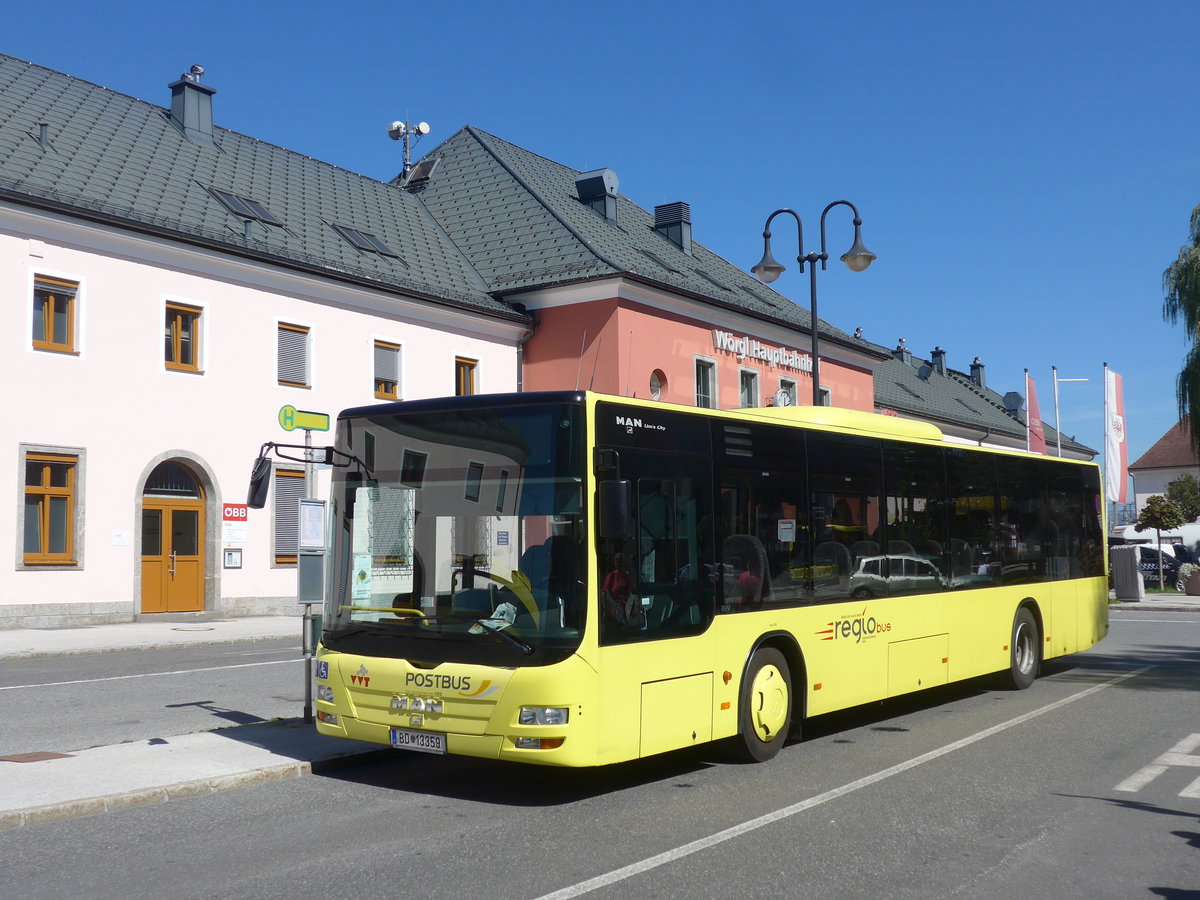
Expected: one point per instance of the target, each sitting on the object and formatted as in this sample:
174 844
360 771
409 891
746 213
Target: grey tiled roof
916 389
118 159
483 186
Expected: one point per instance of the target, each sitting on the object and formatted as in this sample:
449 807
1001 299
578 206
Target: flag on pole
1035 435
1116 462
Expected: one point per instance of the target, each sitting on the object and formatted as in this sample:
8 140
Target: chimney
977 374
598 189
191 107
902 353
938 355
674 222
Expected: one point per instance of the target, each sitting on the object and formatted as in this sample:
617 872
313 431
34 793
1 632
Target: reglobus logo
858 627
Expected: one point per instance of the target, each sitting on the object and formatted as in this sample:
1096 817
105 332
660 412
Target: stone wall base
81 615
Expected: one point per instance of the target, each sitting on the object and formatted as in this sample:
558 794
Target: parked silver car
878 576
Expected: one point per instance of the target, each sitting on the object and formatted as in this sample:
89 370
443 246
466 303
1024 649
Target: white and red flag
1035 435
1116 461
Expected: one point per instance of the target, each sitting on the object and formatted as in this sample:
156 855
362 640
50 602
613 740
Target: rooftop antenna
410 134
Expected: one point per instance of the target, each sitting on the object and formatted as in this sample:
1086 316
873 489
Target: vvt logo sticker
362 676
860 627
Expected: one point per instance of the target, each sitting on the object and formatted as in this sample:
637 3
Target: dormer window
598 190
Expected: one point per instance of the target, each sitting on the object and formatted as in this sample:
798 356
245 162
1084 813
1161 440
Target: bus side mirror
616 520
260 482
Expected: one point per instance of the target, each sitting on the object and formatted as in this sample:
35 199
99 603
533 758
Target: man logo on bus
855 626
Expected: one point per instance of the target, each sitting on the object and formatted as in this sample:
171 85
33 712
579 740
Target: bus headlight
544 715
325 692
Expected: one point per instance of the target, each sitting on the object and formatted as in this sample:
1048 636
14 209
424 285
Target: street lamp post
857 258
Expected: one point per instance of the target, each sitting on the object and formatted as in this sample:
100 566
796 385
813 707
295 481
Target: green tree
1181 284
1184 492
1160 514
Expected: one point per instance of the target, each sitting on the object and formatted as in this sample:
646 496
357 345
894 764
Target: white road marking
1139 619
21 687
1179 755
654 862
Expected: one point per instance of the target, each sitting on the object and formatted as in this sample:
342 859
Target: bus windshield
462 541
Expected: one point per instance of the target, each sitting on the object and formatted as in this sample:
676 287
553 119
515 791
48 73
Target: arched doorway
172 541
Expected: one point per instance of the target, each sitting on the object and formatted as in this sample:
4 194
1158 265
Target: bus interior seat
473 601
831 553
899 548
961 557
859 549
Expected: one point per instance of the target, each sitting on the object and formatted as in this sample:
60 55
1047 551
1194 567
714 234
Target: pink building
625 300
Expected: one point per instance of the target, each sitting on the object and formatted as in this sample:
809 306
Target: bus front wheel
764 708
1024 651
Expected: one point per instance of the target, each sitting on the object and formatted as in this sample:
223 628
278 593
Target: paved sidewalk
136 773
18 643
46 787
1160 603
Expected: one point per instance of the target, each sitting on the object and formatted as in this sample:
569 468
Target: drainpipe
533 324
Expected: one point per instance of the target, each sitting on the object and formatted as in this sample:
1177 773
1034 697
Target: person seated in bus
748 587
620 605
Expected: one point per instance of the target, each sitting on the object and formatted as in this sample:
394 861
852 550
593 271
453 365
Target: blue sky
1025 171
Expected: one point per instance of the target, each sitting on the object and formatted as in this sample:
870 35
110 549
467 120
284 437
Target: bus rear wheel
1024 651
764 708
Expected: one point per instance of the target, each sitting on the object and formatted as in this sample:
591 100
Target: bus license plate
424 741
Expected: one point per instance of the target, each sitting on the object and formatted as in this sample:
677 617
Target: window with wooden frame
289 491
464 376
50 503
387 371
181 337
54 302
293 365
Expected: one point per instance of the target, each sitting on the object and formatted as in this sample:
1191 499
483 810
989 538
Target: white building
182 285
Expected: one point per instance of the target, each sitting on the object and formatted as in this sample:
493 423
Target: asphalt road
73 702
1087 785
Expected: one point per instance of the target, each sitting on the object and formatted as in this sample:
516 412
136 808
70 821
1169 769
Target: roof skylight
245 207
365 241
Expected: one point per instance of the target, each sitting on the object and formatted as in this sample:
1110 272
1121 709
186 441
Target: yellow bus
575 579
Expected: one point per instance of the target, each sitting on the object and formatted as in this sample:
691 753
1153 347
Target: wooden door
172 555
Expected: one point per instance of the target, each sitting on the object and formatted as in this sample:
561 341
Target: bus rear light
524 743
